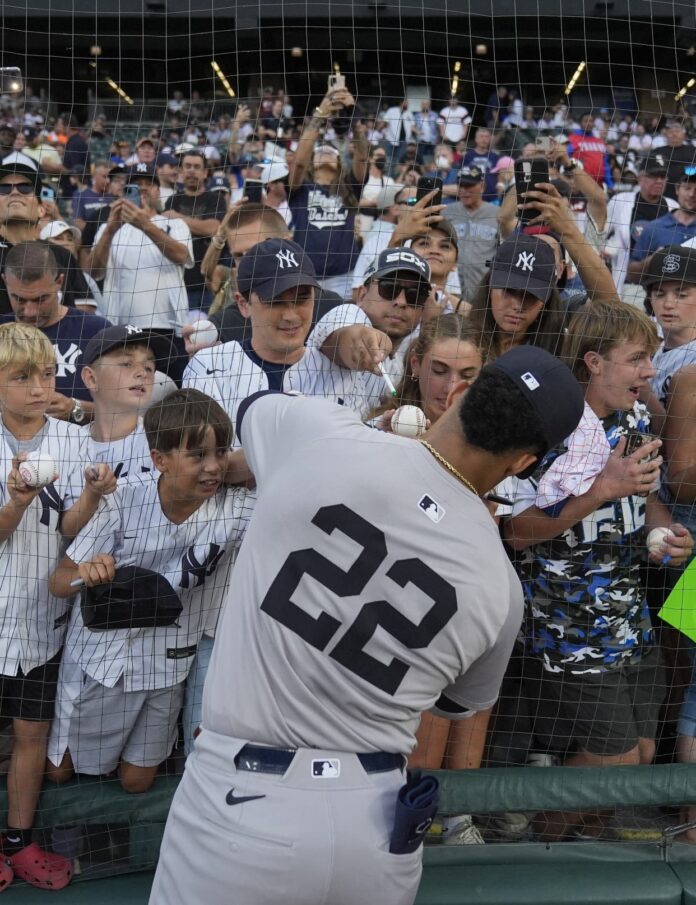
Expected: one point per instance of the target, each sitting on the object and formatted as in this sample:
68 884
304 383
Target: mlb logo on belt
326 768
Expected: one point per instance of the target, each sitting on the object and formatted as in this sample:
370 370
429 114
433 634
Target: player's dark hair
31 261
182 419
497 418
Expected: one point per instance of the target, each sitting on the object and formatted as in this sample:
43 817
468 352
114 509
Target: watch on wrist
77 413
573 167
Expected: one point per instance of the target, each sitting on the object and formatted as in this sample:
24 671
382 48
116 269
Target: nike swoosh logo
233 799
213 370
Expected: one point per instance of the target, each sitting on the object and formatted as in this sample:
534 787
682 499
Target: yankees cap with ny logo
273 266
527 263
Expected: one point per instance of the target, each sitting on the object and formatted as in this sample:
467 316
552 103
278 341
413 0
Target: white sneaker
460 830
540 759
510 825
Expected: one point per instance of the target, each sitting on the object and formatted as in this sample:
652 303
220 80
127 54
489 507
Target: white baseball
656 538
408 421
204 333
37 470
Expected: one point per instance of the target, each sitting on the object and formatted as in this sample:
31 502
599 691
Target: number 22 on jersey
350 649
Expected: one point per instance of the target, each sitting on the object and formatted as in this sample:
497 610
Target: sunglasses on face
415 296
24 188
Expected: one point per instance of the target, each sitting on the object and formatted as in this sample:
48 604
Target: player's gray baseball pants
315 832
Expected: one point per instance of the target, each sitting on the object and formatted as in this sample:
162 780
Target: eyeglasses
24 188
415 296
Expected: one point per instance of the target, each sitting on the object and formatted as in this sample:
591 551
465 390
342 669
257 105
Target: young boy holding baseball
40 465
121 689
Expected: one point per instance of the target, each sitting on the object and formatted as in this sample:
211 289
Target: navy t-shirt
69 338
325 228
86 203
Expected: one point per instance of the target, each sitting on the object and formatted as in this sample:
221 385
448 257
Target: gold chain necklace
450 467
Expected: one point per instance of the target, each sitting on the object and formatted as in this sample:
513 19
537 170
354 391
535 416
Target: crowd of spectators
120 247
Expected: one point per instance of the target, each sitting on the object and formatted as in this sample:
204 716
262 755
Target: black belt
258 759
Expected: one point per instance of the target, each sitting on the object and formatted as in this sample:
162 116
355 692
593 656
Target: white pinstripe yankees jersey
372 386
32 621
196 558
125 456
232 372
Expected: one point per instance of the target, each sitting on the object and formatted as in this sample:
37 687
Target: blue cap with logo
272 267
147 171
550 388
527 263
398 260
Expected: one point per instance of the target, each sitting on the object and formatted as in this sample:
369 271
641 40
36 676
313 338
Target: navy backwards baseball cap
124 335
550 388
398 260
164 159
146 171
527 263
675 262
273 266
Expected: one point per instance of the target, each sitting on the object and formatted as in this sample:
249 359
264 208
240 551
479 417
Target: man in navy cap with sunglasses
674 228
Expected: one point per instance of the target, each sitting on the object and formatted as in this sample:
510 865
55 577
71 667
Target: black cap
524 262
655 162
675 262
470 175
550 388
123 335
29 132
397 260
147 171
273 266
117 169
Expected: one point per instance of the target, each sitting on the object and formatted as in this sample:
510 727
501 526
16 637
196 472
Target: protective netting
168 171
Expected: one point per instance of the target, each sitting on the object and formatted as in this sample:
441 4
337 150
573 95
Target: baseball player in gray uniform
371 586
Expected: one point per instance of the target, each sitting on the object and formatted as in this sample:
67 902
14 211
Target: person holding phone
324 204
141 256
476 223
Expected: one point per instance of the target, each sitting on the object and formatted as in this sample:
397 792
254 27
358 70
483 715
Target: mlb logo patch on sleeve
433 510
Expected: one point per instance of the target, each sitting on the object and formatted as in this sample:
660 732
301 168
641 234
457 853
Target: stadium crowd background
343 183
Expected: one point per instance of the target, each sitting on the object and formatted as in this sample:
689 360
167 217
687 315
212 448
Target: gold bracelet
218 242
318 112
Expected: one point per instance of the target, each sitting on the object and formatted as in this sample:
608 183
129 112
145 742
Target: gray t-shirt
370 582
477 232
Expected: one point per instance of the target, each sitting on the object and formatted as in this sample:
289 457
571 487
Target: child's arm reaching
99 481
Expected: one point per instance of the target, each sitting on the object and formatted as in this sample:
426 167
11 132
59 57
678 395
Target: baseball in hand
37 470
408 421
204 333
656 538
